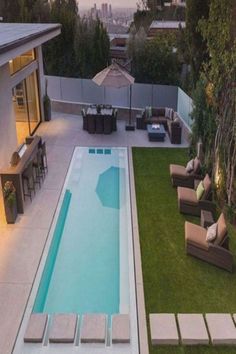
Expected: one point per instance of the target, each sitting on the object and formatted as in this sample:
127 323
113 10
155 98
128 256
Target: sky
114 3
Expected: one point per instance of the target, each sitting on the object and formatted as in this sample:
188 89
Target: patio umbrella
117 77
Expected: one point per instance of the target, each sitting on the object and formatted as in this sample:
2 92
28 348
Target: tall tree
221 74
196 47
60 54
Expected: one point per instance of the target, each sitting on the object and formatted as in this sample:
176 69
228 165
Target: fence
86 91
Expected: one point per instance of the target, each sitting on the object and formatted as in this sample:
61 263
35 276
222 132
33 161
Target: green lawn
174 282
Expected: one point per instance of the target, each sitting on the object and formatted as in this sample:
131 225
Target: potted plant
47 103
9 195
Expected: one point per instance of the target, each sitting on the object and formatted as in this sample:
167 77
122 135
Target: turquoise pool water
83 271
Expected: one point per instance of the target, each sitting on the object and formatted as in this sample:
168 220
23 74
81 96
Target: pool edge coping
141 311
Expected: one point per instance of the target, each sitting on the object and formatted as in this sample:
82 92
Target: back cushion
207 186
221 229
160 112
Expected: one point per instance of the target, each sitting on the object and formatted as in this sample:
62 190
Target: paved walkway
21 244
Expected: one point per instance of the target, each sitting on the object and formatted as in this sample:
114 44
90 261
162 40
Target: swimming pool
87 266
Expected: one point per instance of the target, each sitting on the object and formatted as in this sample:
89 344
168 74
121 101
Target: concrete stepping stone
93 328
36 328
120 329
163 329
192 329
63 328
221 328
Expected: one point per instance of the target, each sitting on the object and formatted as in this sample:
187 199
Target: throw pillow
200 190
189 167
168 112
211 233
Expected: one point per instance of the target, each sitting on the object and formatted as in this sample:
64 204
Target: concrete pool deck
22 244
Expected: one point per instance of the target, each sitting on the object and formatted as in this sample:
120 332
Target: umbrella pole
130 126
130 95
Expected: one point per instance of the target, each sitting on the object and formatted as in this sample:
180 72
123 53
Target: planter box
10 212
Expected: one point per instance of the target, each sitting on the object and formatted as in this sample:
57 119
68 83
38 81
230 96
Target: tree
60 54
195 49
220 71
92 47
156 61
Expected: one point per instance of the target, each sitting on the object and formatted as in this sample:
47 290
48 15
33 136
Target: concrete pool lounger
92 329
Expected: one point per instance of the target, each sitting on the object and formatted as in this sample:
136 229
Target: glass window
21 61
26 106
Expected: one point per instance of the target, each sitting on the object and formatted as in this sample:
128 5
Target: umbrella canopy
113 76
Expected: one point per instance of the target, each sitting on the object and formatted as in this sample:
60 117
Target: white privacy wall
86 91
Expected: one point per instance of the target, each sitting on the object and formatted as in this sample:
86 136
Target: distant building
175 3
110 11
164 26
179 2
118 47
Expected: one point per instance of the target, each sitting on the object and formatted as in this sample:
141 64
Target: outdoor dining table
100 122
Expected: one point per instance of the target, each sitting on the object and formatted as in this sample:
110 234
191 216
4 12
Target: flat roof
13 35
167 24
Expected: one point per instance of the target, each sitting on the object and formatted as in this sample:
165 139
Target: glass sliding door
19 99
32 101
26 106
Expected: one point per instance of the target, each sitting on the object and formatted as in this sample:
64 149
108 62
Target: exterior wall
8 138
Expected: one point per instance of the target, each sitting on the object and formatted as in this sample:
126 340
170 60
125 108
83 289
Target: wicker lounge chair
188 202
216 252
180 177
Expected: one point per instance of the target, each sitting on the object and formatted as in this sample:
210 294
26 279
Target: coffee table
156 134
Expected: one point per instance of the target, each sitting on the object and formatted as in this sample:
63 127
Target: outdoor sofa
188 202
181 178
215 252
162 115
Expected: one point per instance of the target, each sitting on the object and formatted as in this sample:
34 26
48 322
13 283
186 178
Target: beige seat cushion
178 170
187 195
196 235
221 229
207 186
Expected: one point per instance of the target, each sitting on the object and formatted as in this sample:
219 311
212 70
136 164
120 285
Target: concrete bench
221 328
36 328
93 328
163 329
63 328
192 329
120 329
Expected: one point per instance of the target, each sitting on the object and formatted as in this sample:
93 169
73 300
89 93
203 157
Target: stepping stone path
163 329
221 328
63 328
192 329
36 328
93 328
120 329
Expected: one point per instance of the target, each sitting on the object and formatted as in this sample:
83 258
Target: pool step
66 328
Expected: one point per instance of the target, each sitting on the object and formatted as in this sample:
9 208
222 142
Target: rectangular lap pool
89 266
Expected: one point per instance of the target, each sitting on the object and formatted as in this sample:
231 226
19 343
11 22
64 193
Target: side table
206 218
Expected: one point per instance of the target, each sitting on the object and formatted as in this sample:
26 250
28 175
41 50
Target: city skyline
114 3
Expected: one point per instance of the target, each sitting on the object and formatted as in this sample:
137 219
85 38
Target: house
164 26
118 47
22 84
